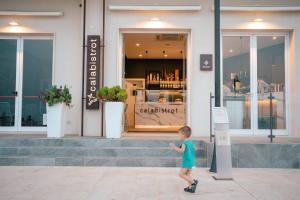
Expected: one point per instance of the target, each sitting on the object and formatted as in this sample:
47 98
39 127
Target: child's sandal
194 184
190 190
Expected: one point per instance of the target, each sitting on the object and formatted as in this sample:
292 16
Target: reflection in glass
8 58
37 76
236 81
271 78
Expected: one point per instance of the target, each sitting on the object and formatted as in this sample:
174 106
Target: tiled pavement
88 183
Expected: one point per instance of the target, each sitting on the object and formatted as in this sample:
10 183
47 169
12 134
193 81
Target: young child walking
188 158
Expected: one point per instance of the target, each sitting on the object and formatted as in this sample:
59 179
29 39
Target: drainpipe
213 167
83 66
102 67
217 54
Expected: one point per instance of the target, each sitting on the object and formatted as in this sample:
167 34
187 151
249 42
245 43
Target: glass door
8 86
237 82
25 71
37 60
271 79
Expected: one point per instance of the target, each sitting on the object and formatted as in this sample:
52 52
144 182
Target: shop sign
93 71
206 62
159 114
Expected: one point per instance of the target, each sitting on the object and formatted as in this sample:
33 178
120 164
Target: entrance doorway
25 71
155 77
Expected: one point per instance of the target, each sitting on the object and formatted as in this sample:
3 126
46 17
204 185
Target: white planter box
113 119
55 120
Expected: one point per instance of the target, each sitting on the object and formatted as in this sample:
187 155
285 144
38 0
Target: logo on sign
206 62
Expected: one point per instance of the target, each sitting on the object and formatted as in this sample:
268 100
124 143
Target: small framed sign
206 62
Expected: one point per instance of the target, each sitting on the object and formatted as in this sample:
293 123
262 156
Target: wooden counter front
159 115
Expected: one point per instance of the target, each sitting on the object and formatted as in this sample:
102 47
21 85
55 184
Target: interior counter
162 115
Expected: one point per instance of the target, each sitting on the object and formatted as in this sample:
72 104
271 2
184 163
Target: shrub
115 94
56 95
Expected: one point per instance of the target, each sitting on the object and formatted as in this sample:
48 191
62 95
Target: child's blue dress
188 156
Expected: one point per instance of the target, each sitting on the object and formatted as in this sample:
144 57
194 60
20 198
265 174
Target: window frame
19 81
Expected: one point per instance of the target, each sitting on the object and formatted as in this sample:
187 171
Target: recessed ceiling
236 45
154 46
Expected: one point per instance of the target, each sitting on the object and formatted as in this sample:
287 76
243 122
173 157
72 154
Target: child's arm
178 149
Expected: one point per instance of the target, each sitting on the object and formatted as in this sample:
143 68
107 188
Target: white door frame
253 84
19 85
120 56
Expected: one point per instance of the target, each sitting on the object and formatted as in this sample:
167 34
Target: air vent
169 37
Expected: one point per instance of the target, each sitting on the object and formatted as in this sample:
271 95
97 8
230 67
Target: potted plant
57 98
114 99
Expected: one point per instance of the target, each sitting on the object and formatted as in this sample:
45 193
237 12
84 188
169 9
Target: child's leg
184 174
188 173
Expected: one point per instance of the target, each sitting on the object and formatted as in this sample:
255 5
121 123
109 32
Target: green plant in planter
57 95
115 94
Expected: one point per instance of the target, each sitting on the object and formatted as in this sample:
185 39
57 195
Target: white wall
92 118
68 46
199 23
68 39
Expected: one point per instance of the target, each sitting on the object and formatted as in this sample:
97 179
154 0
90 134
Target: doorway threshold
150 135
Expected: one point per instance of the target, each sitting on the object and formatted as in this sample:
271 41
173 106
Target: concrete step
94 151
97 161
137 152
90 142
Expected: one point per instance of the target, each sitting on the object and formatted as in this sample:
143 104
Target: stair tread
102 157
94 152
81 147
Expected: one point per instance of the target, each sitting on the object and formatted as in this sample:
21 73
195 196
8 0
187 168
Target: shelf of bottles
156 80
177 85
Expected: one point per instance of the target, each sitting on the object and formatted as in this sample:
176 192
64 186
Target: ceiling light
154 19
140 55
137 44
258 20
274 38
230 50
165 55
14 23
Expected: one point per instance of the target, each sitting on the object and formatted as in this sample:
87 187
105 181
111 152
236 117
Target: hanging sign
93 71
206 62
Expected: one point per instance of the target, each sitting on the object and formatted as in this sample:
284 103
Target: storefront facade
259 55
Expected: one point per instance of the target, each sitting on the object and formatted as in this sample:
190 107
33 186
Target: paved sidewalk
89 183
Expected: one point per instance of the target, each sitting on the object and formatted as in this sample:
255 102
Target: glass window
236 81
240 95
271 78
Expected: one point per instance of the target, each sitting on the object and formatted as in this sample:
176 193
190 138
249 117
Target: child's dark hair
186 131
